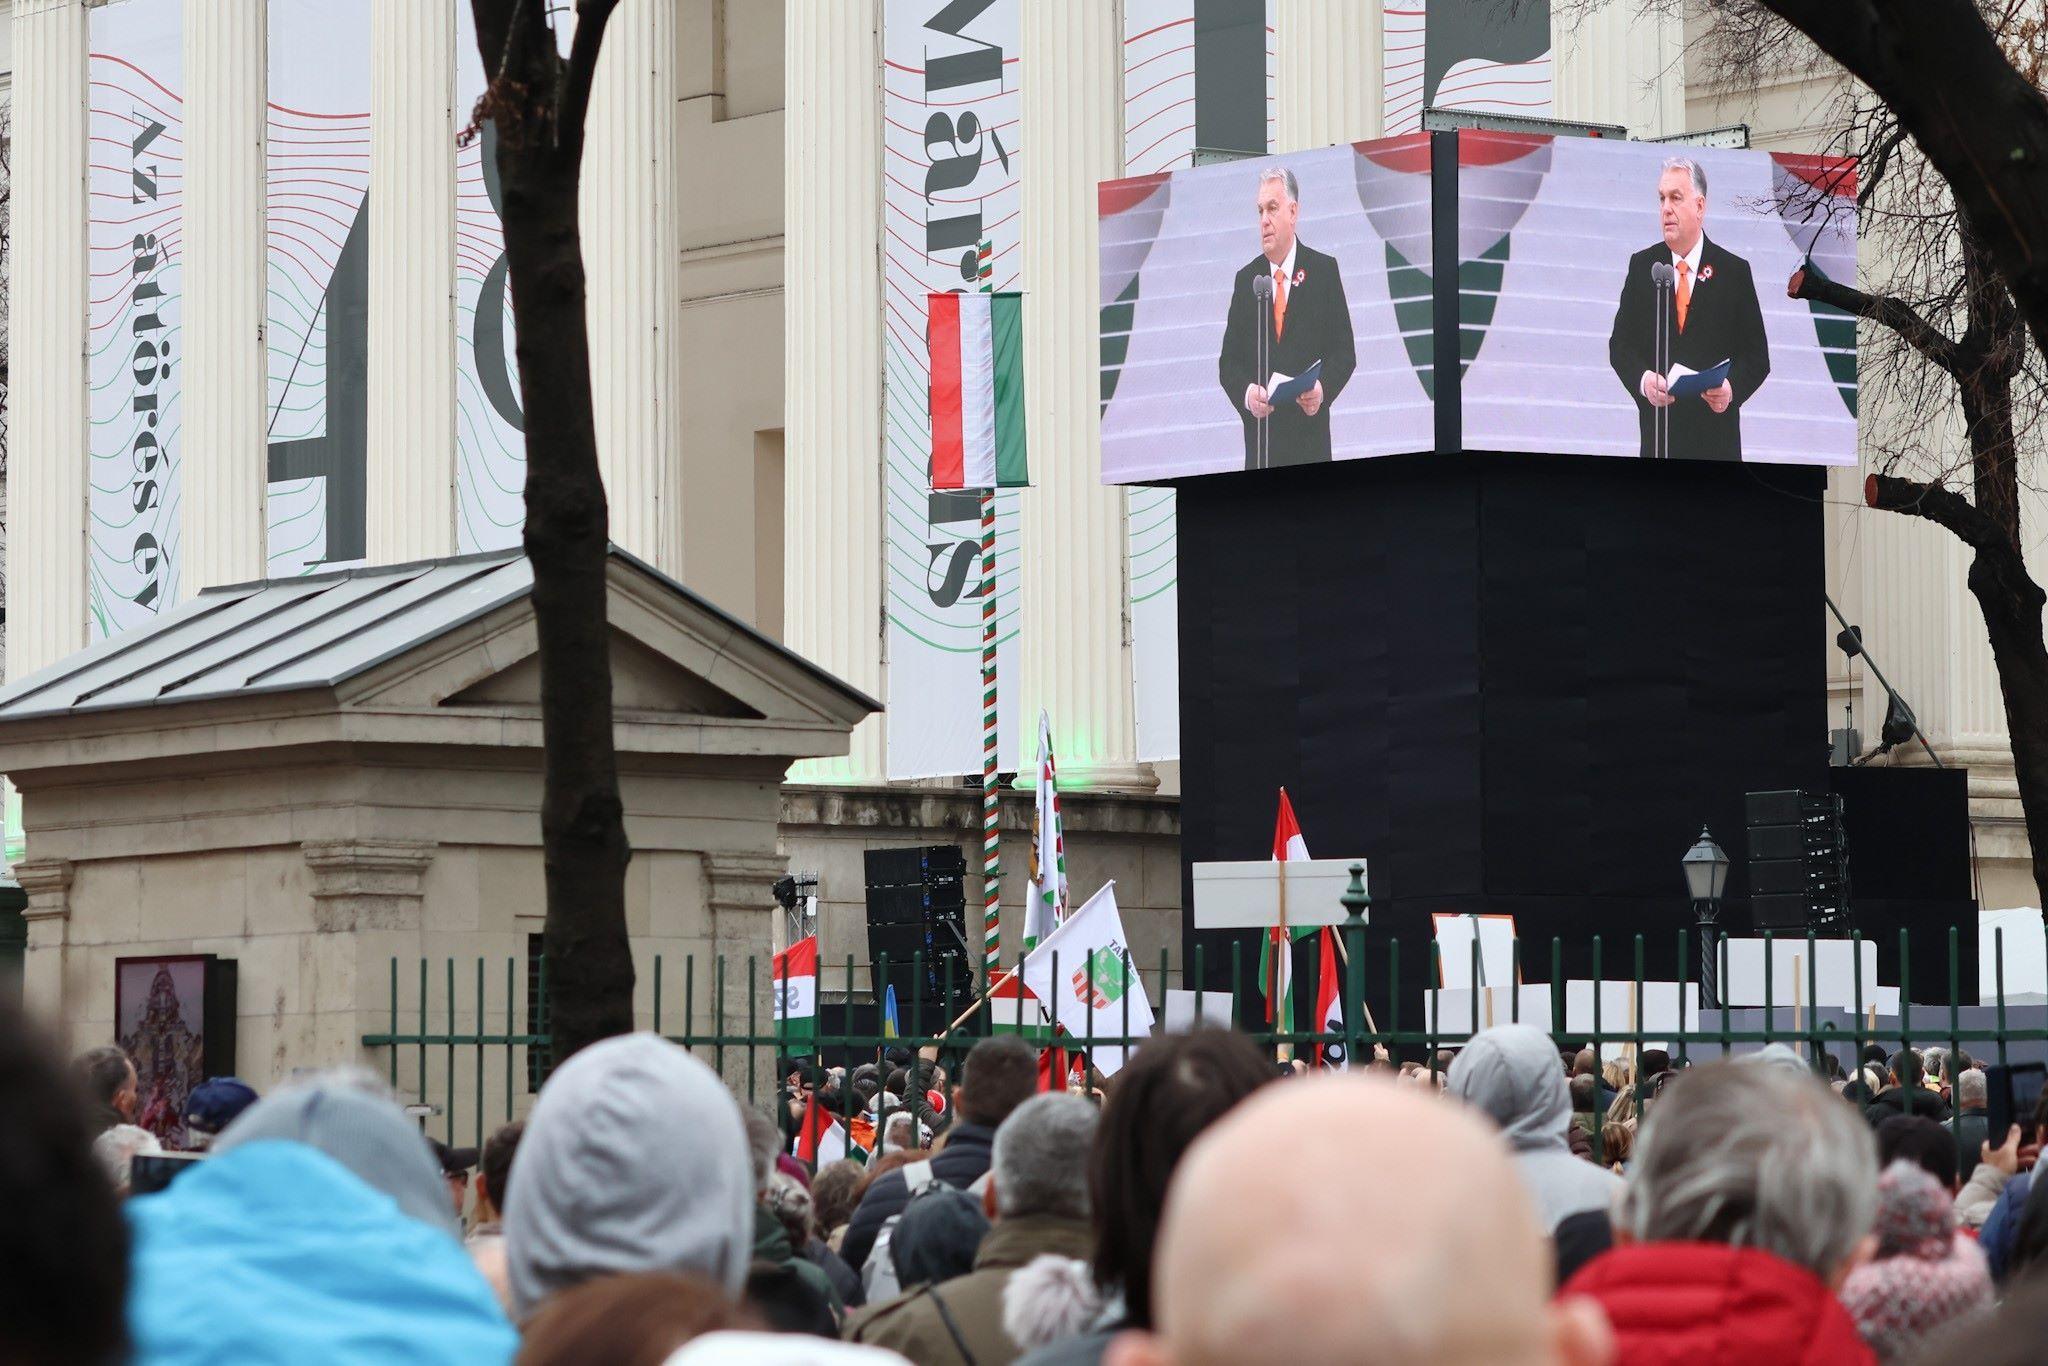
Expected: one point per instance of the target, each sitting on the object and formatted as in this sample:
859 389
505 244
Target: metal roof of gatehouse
281 635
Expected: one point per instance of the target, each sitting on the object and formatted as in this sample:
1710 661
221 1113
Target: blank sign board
1245 896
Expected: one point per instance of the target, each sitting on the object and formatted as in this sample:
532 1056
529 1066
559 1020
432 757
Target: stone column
48 421
632 247
48 913
1327 78
367 884
411 457
741 904
1076 659
225 452
832 485
1620 63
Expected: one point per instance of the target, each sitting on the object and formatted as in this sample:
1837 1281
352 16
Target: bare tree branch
1808 283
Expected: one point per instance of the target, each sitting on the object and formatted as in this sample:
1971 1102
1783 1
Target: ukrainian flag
891 1027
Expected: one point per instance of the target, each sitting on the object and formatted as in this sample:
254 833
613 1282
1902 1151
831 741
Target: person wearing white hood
634 1159
1511 1074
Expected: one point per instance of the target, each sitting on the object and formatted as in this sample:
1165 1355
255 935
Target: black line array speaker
917 905
1798 862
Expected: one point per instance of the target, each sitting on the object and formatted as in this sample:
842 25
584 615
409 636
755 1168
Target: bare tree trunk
539 103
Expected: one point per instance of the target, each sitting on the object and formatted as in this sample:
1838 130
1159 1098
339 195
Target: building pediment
441 652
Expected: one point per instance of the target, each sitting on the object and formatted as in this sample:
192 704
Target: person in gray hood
634 1159
1512 1074
351 1116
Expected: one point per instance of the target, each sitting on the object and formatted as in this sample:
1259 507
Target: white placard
2019 931
1237 896
1187 1009
1454 936
1829 980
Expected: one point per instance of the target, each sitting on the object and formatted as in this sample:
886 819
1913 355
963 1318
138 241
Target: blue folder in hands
1289 390
1699 381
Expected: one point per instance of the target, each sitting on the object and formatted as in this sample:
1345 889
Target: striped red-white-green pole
991 793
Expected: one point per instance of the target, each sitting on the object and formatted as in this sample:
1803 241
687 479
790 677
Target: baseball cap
213 1105
454 1161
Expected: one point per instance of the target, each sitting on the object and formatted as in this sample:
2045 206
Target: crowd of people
1503 1202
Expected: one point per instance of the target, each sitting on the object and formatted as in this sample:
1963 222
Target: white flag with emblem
1084 974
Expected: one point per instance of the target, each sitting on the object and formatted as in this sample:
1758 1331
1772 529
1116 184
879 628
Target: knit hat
365 1132
937 1237
634 1159
213 1105
1924 1276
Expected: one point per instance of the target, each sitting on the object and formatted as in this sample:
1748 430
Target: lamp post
1706 876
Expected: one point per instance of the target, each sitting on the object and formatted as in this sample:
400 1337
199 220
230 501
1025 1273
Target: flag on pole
977 390
1045 901
796 989
1276 957
1099 993
892 1026
1330 1005
823 1138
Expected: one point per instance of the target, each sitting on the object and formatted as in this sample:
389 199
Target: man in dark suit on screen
1710 314
1303 319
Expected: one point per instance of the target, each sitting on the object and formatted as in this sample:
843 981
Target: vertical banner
1197 73
316 247
951 168
135 351
490 433
1478 55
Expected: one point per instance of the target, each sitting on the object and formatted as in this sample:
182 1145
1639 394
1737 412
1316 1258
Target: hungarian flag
796 989
1276 957
977 394
1012 1009
1330 1005
822 1139
1045 900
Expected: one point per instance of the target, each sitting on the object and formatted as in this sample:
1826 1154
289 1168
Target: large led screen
1605 285
1221 283
1611 298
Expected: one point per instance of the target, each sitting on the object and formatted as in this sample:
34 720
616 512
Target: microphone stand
1663 298
1262 294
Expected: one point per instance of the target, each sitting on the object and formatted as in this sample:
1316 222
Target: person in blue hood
318 1234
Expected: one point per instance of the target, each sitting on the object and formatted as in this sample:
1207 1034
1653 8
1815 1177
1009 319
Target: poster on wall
1277 312
135 368
951 169
1485 56
1585 351
1195 75
317 223
174 1016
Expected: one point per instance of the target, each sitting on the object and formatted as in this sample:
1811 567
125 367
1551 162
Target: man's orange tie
1280 305
1684 292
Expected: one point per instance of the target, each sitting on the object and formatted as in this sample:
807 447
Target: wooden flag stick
1345 954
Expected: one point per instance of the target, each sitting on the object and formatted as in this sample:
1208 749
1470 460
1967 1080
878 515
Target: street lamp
1706 876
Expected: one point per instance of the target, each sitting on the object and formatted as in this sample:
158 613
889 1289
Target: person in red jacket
1751 1200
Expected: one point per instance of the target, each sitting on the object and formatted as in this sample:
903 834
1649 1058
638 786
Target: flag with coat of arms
1276 949
1084 973
796 989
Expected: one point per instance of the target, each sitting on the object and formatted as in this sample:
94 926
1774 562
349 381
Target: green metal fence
477 1049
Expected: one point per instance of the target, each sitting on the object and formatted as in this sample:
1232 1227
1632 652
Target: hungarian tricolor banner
1276 969
977 395
796 989
1330 1004
822 1139
1045 900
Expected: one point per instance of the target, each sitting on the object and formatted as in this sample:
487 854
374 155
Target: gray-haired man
1708 314
1287 311
1039 1174
1752 1186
